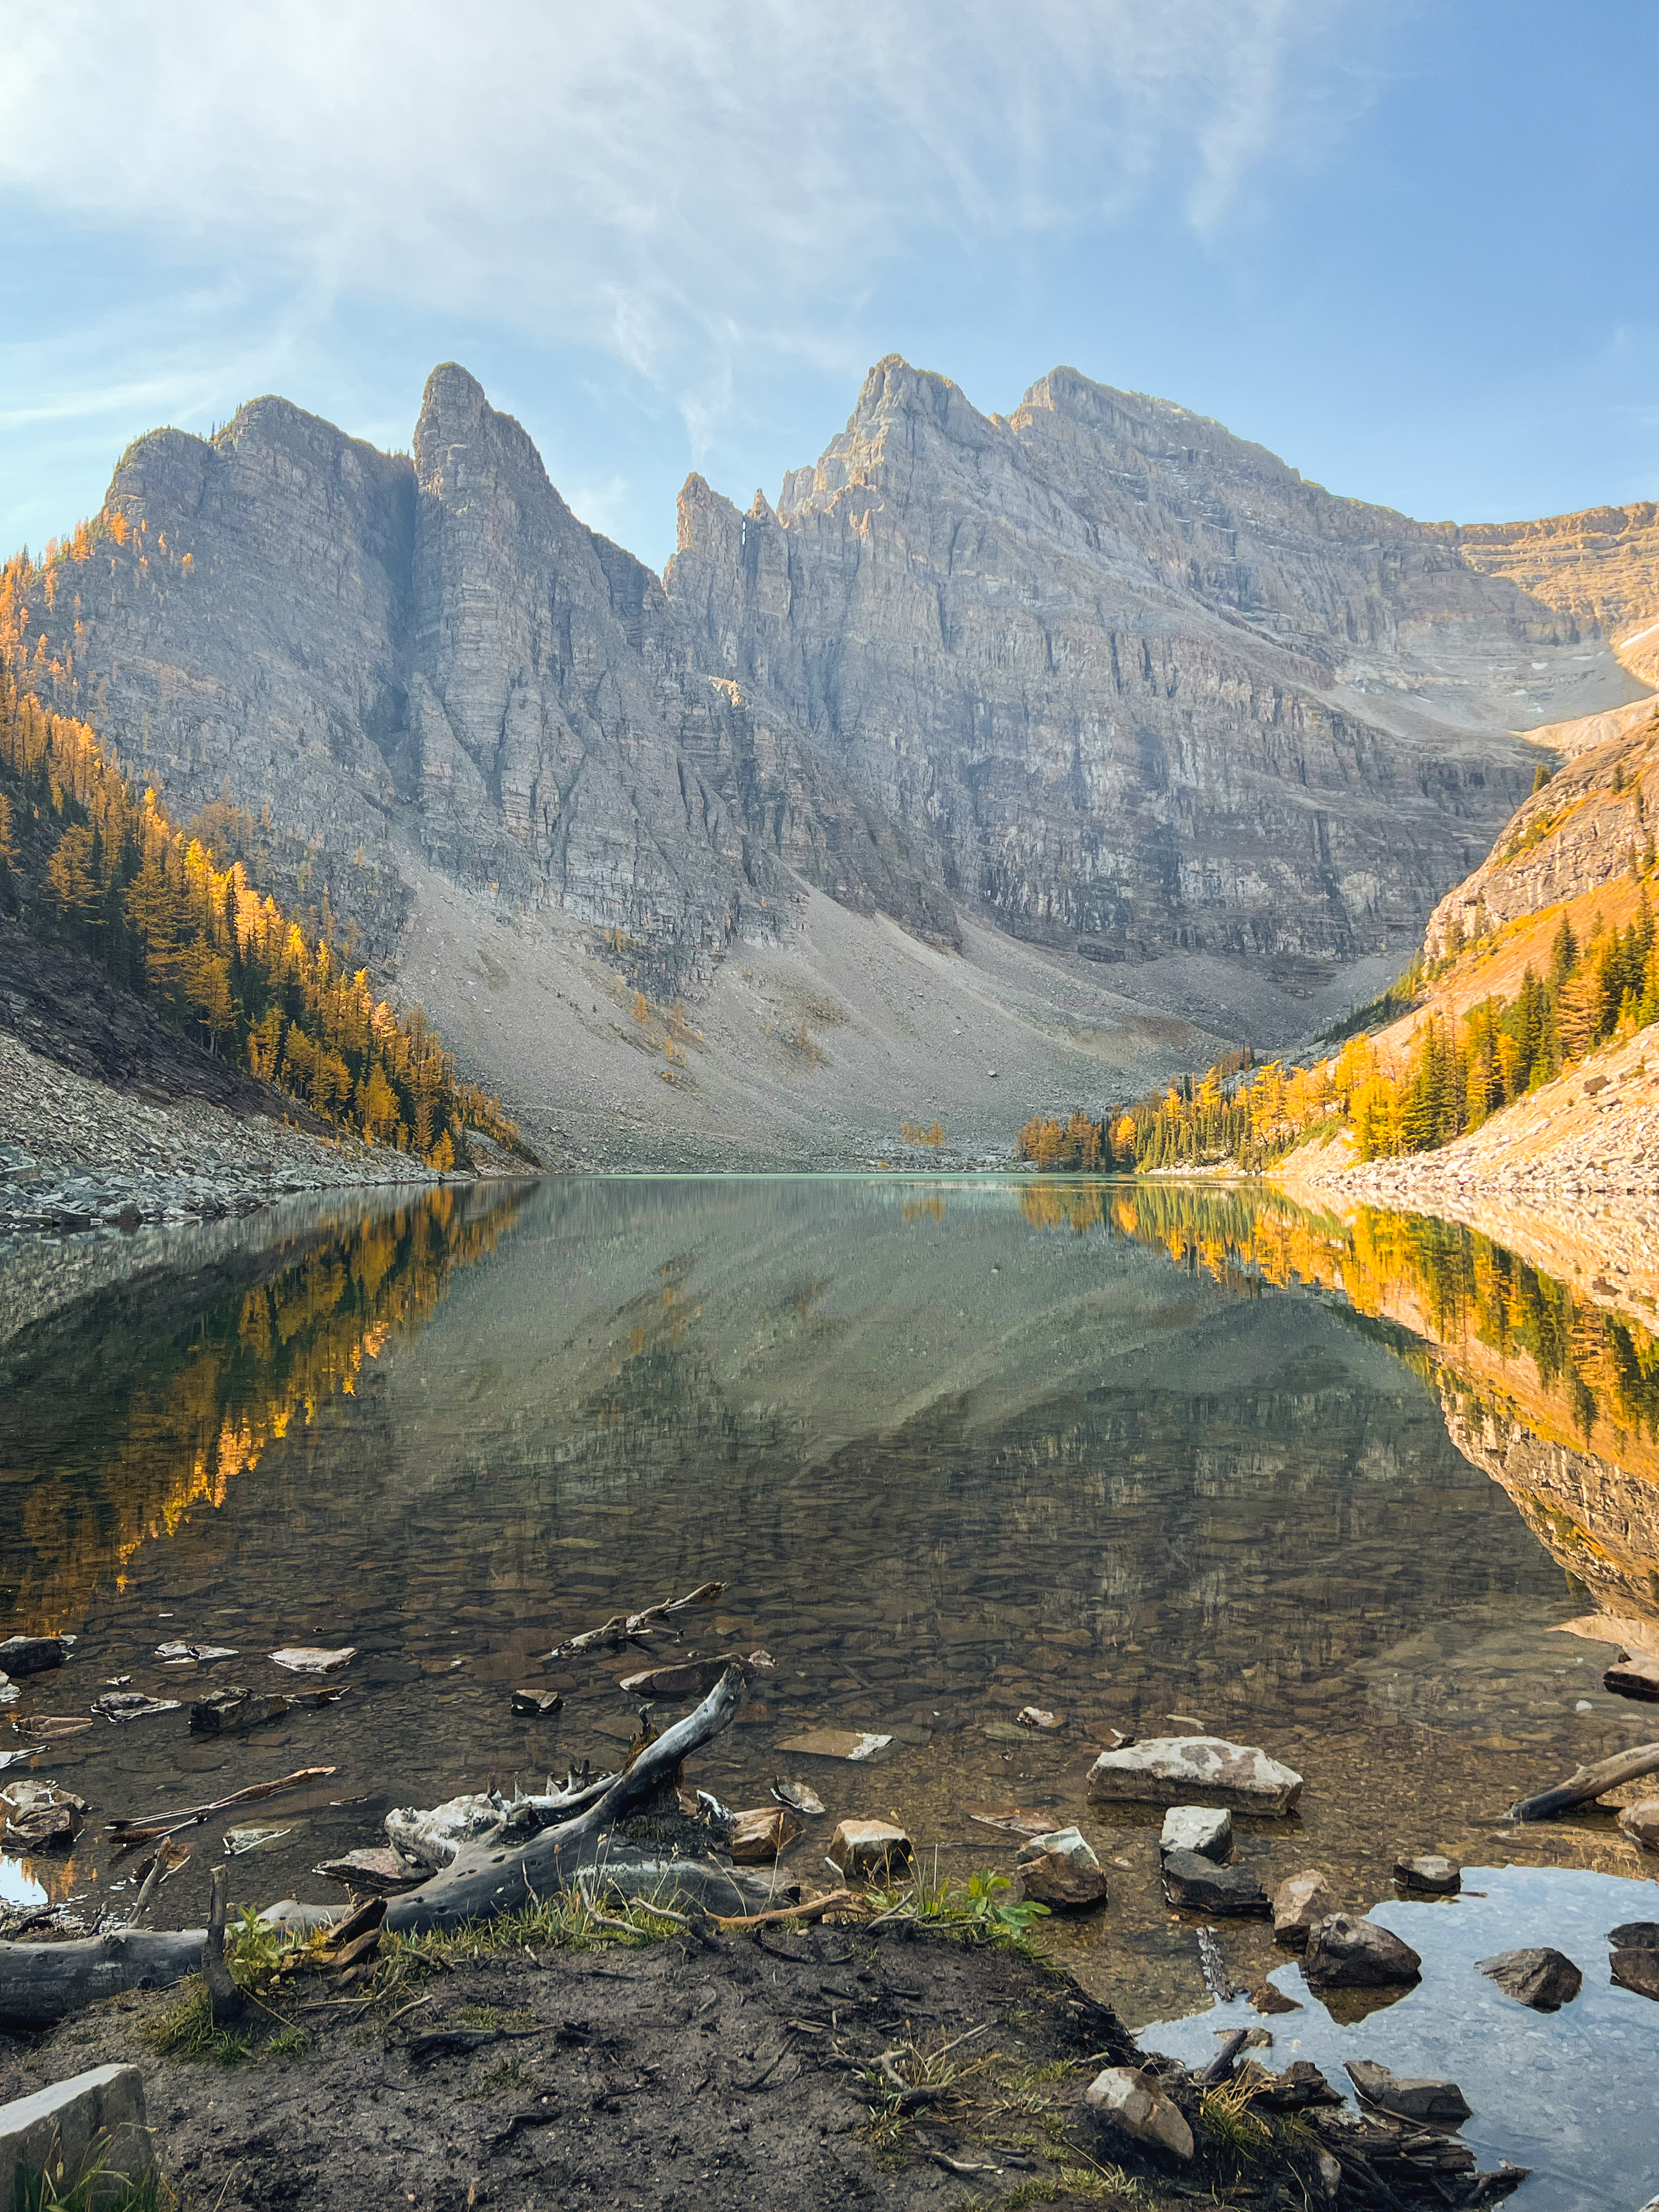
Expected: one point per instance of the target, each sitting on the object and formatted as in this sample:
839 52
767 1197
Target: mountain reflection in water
1154 1457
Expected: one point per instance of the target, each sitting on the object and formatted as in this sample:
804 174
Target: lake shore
77 1154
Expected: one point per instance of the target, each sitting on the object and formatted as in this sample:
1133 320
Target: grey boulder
1541 1978
1430 1875
1206 1828
1347 1953
1174 1769
1061 1871
1198 1885
1299 1902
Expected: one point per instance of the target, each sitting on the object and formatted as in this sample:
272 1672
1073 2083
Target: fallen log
636 1627
1590 1782
44 1982
126 1833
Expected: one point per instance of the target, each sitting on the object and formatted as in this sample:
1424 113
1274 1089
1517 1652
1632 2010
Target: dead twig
836 1900
158 1826
636 1627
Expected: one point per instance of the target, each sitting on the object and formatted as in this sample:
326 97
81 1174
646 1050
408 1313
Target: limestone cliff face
1110 665
1096 670
1579 834
437 654
1599 568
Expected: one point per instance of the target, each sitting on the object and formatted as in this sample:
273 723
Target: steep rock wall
1100 657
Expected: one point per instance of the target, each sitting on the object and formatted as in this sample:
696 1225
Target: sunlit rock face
435 655
1134 682
1096 670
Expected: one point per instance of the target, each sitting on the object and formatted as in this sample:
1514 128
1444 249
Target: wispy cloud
676 183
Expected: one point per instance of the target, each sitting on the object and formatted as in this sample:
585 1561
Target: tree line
1455 1074
195 939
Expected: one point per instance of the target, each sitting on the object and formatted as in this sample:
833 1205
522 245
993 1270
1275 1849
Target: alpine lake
1159 1459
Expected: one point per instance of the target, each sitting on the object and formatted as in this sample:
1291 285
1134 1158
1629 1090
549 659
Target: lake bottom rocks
1178 1770
1205 1828
1437 2104
1061 1871
1299 1902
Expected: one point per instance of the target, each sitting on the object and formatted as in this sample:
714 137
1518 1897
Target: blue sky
1409 247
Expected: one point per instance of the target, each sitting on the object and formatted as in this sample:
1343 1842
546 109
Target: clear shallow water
1574 2095
1151 1458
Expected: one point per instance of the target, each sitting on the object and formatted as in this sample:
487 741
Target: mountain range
1029 755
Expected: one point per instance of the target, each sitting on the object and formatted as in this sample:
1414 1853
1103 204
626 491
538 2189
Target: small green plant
986 1903
185 2030
511 2073
289 2045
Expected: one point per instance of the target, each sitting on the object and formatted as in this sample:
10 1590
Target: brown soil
665 2077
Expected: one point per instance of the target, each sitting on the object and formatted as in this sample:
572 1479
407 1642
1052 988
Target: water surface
1155 1459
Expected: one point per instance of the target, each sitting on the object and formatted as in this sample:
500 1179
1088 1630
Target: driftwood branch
489 1876
1590 1782
835 1900
636 1627
159 1826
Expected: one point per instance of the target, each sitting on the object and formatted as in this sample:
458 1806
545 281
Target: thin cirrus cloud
696 192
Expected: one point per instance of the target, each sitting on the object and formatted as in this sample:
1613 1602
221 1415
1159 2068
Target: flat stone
378 1872
862 1849
94 2119
1014 1820
1300 2086
1436 2104
1198 1885
1635 1935
1143 2113
1635 1677
1640 1822
1345 1951
1058 1842
1637 1970
1177 1770
233 1711
1431 1872
1541 1978
308 1659
836 1743
1206 1828
540 1705
1035 1717
1298 1902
